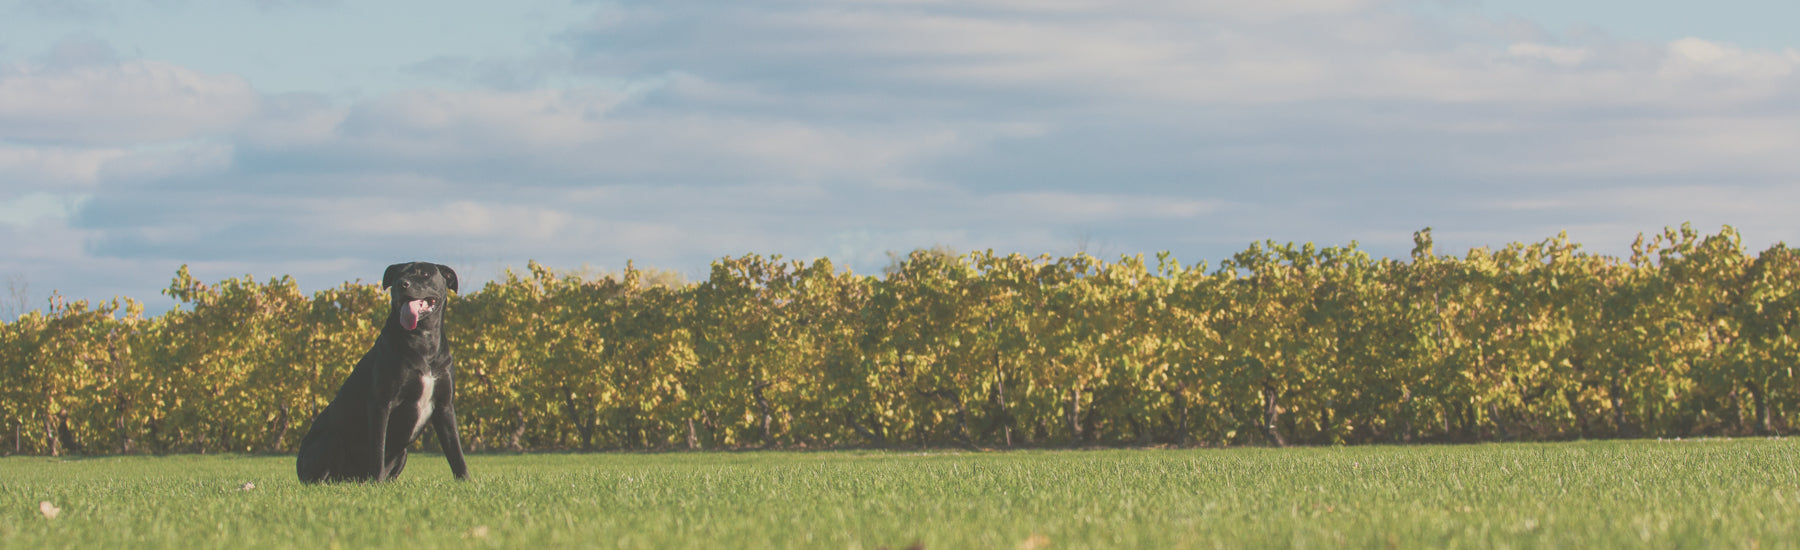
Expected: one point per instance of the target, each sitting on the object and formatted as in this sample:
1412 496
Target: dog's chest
427 384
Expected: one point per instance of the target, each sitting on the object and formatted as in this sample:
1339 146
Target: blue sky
325 139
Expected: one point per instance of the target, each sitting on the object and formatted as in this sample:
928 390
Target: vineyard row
1280 344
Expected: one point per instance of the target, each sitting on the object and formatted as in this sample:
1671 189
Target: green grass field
1673 494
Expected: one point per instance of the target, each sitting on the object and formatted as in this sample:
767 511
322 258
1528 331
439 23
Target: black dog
402 383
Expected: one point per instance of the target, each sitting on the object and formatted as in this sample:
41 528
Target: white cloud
592 136
1562 56
47 166
160 161
34 207
1694 57
1099 207
115 104
535 118
1182 8
1158 55
462 219
50 167
1727 148
292 121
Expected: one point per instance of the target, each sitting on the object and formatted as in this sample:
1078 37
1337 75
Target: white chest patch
429 383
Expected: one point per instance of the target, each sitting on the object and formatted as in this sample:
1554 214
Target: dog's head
419 290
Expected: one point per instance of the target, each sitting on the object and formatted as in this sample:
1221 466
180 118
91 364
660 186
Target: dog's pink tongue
409 317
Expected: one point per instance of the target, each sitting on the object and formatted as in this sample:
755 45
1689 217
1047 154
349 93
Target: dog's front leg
382 406
378 422
445 424
443 420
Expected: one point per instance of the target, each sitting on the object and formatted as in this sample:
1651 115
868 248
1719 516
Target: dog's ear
449 276
393 272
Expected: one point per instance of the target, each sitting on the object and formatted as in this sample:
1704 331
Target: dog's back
324 454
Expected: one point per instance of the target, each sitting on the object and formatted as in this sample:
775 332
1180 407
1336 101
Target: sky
326 139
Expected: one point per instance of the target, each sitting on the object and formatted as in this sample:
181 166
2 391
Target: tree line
1280 344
